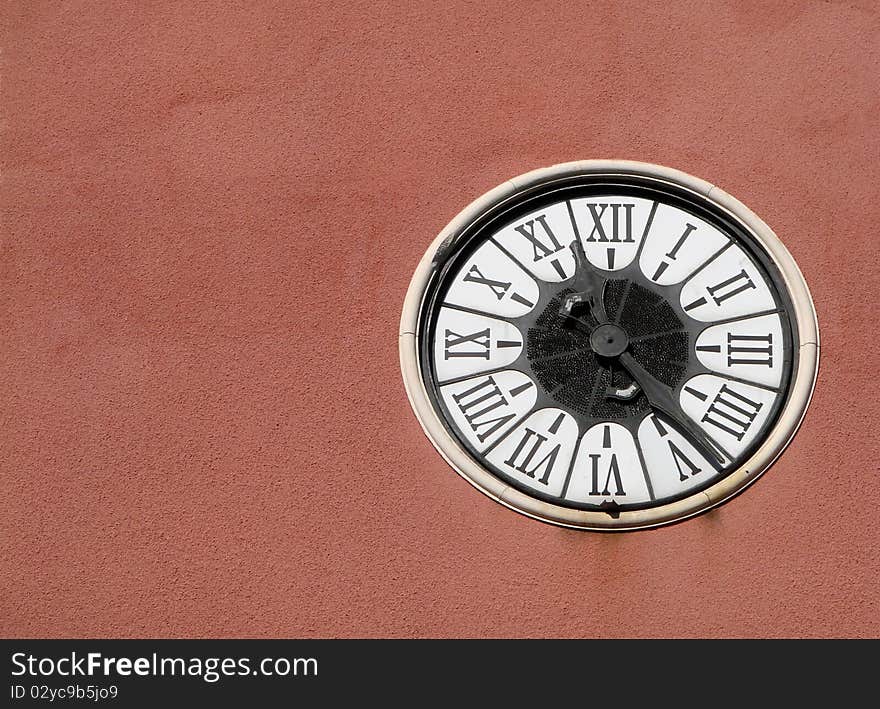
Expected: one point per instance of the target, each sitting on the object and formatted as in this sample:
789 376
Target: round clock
609 345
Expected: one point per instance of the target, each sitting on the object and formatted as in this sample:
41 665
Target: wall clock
609 345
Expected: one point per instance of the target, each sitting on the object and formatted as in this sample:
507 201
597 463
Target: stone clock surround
801 388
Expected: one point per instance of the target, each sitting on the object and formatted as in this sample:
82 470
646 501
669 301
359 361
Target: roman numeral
747 349
678 457
673 254
540 248
499 288
613 470
731 287
481 400
597 211
477 339
537 442
732 412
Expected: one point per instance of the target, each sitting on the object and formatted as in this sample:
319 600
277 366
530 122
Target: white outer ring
787 423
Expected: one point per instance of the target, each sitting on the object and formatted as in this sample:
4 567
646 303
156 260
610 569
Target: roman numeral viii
732 412
480 402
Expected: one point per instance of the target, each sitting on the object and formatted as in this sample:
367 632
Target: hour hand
589 287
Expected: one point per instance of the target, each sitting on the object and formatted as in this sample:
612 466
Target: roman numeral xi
542 245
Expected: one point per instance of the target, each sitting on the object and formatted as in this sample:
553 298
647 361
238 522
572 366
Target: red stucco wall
209 221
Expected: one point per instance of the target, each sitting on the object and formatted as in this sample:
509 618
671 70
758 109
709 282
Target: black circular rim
450 258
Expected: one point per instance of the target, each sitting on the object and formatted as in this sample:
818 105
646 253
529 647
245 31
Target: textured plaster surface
210 217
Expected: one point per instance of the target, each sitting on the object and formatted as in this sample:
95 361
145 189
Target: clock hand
588 284
590 287
661 398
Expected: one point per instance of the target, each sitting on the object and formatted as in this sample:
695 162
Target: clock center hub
609 340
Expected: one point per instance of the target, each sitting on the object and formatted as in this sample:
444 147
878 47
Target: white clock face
607 345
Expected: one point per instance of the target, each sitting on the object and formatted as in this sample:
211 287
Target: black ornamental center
578 369
609 340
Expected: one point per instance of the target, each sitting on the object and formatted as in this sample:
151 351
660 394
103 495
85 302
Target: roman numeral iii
750 349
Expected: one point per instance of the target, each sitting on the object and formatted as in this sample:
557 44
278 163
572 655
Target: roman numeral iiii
732 412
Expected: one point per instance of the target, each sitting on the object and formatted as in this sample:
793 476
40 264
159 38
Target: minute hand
661 398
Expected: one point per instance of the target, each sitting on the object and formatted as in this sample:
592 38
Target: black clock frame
452 255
